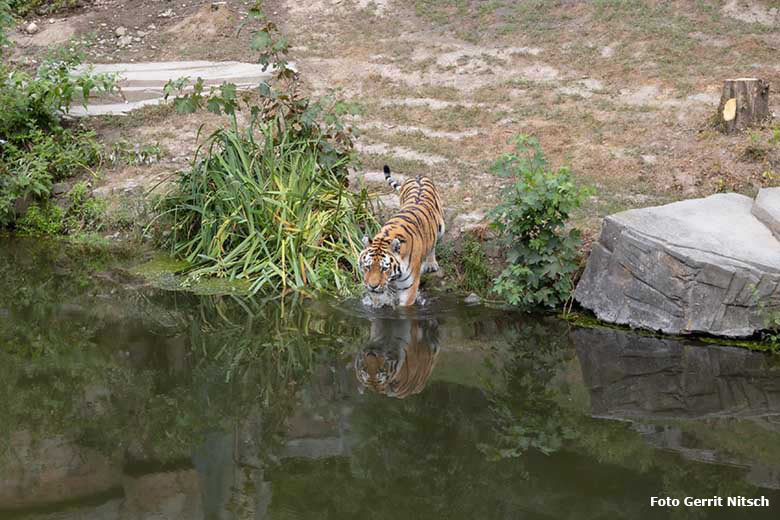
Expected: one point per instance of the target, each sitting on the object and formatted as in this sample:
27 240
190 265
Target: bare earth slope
620 91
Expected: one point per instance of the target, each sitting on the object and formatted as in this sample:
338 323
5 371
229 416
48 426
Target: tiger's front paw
432 267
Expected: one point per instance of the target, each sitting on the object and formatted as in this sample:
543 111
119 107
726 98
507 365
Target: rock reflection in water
701 402
629 375
399 357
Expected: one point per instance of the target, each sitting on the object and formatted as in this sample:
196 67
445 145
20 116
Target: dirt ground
623 92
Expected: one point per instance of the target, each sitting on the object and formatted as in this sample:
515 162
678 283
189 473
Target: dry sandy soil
620 91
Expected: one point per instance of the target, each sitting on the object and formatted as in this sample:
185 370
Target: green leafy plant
39 220
774 139
476 274
27 7
6 20
85 212
259 206
281 101
123 152
541 254
771 336
38 149
268 202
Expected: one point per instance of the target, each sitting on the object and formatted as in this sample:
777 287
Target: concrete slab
143 83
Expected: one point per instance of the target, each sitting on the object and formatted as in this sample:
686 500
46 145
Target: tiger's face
374 370
380 264
399 357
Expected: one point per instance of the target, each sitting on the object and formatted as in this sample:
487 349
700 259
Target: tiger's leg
408 296
430 265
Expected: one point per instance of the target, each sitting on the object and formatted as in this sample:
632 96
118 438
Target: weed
476 274
771 336
769 177
265 210
42 219
774 139
84 213
37 148
123 152
28 7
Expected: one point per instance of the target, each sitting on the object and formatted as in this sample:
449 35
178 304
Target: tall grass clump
268 202
261 207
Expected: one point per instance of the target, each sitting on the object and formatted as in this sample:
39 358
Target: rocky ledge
707 265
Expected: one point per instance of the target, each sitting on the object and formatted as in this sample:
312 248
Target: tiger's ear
396 245
366 240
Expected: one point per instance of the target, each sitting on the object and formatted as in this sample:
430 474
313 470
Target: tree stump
744 102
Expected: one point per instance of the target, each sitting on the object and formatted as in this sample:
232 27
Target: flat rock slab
697 266
143 83
766 208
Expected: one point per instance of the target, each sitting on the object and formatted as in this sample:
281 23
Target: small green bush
36 148
40 220
27 7
541 255
85 213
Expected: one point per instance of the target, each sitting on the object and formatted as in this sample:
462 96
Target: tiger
399 357
405 247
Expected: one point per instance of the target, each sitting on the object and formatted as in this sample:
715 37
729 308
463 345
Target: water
121 401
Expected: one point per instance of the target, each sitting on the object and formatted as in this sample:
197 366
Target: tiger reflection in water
399 357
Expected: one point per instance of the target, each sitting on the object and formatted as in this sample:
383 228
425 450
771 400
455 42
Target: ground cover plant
267 201
38 148
28 7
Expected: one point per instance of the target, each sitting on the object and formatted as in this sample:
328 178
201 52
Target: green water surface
120 400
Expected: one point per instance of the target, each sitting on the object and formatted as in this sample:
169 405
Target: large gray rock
766 208
697 266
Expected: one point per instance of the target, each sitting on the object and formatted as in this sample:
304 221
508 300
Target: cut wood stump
744 102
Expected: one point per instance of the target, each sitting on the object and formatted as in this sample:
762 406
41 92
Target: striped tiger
405 247
399 357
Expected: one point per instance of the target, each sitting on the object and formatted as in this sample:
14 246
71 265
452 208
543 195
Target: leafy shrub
27 7
43 219
293 114
37 148
6 20
541 255
269 202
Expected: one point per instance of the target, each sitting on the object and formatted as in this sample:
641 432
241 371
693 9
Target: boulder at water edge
697 266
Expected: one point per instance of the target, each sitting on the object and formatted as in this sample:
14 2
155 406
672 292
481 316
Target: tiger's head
399 357
380 263
376 369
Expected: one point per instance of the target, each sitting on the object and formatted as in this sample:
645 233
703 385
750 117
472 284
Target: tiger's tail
392 182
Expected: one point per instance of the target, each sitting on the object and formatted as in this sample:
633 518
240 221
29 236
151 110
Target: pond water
119 400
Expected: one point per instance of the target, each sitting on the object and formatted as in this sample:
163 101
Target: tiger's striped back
404 248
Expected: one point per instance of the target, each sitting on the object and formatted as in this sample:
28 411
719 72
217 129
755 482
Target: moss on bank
585 319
